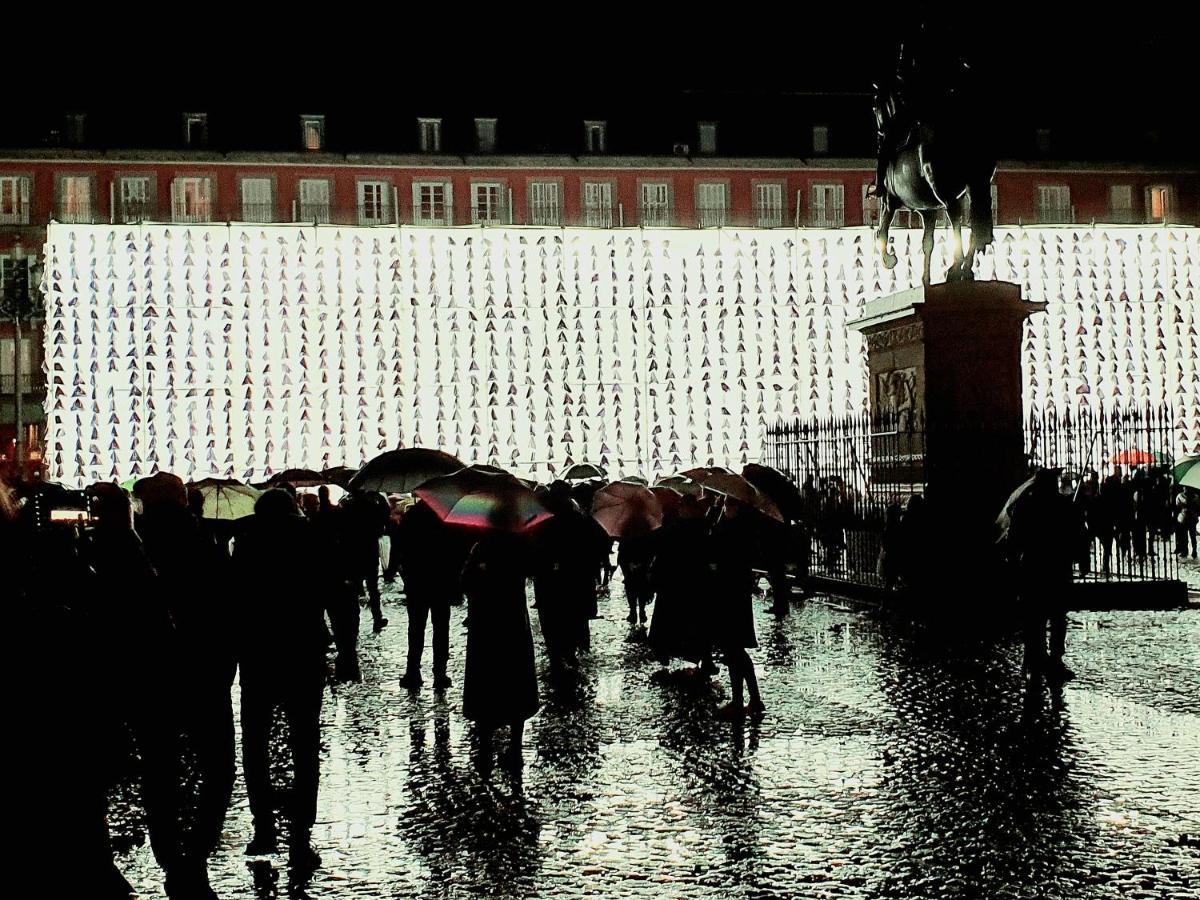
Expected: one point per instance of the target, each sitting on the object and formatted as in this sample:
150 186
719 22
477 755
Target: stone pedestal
945 367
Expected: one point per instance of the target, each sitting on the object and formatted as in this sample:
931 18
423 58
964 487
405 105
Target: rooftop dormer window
485 135
312 130
429 135
708 137
195 129
595 137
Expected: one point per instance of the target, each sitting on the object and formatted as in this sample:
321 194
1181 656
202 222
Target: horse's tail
982 214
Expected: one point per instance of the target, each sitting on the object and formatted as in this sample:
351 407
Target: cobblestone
884 767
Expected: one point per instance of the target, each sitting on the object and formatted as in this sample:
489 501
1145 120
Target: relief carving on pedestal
894 337
896 396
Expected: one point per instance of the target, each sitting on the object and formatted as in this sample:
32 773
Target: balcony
769 217
598 217
829 217
32 384
1056 215
259 212
491 214
712 217
548 214
78 216
656 216
15 214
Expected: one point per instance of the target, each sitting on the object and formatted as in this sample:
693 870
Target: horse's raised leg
881 233
928 222
960 269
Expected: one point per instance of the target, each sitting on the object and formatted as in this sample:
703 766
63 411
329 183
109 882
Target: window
8 370
258 200
870 207
485 135
820 140
545 205
14 200
432 203
1054 204
429 135
595 138
136 196
710 205
76 128
598 204
655 204
487 203
828 206
1120 202
708 137
768 205
1042 140
1158 203
195 129
373 199
312 131
75 198
191 199
313 194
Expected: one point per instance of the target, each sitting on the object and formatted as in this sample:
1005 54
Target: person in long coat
282 660
431 560
500 686
730 555
679 628
564 581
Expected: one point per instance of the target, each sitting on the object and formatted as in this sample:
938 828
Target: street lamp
16 307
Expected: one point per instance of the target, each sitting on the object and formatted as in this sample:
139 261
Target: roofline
442 162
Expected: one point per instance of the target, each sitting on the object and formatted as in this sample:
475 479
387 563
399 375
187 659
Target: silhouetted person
500 686
732 583
191 581
282 660
364 520
131 620
392 531
1186 511
1041 535
680 628
564 581
1109 513
343 566
891 547
431 560
913 543
634 556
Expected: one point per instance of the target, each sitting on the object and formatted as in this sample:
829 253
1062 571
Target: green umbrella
1187 473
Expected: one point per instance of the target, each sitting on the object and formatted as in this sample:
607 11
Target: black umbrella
584 472
778 487
402 471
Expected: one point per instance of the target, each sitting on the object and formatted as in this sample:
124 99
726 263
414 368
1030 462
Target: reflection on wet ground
887 766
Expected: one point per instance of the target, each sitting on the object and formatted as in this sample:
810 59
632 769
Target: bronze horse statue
930 159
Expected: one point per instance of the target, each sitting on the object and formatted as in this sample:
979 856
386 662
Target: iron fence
1114 464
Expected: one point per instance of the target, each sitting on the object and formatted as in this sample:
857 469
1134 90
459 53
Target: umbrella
777 486
297 478
636 479
681 484
627 510
584 472
161 487
670 498
512 508
443 492
741 490
1187 473
701 471
1139 458
400 471
226 499
339 475
1004 520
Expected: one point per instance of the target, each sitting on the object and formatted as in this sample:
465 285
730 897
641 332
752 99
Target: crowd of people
158 611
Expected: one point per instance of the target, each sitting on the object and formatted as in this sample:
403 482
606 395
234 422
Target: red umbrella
627 510
701 471
1137 458
669 499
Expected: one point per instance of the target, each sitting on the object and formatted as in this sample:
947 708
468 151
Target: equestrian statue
932 152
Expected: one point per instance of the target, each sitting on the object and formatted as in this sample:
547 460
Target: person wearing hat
281 655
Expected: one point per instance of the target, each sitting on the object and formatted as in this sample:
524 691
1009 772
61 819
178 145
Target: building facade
479 178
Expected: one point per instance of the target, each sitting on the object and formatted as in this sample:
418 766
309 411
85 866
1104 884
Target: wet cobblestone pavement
885 767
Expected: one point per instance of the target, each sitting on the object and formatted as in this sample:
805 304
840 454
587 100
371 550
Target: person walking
1042 537
500 687
282 661
364 522
431 560
730 555
564 581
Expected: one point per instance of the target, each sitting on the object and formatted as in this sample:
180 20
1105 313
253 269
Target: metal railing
549 214
30 384
1056 215
656 216
830 217
712 217
489 214
1115 465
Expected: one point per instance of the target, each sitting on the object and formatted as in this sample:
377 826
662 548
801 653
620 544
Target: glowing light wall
240 350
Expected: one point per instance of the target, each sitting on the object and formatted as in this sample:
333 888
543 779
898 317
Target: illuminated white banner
242 350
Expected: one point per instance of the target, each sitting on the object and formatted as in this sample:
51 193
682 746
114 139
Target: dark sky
1089 62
